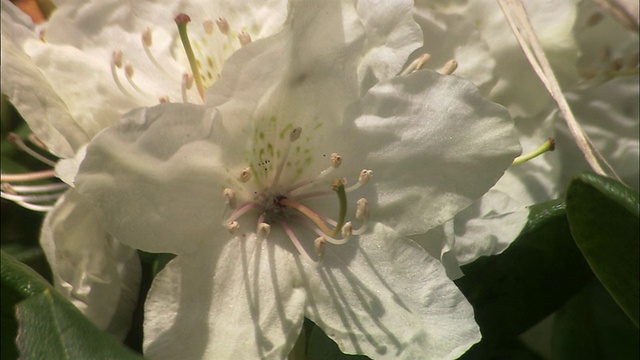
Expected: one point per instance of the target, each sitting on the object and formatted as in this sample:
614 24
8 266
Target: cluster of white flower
336 160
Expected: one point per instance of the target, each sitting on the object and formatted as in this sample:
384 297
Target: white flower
244 190
77 74
574 35
68 77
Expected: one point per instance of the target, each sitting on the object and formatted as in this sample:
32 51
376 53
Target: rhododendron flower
77 74
294 192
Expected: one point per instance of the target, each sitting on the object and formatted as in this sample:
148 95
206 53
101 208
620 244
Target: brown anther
223 25
147 39
6 187
244 38
14 139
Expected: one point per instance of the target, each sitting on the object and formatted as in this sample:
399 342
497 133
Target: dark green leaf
50 326
536 275
604 220
321 347
512 350
592 326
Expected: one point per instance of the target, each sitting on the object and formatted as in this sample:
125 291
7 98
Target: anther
116 62
233 226
362 214
416 64
449 67
365 176
163 99
362 209
548 145
223 25
207 25
147 39
128 69
319 245
244 38
15 140
229 198
6 187
245 175
336 160
347 229
116 58
263 230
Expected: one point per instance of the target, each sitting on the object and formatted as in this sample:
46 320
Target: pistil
182 20
548 145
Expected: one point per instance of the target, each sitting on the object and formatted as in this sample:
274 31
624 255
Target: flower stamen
296 242
223 25
248 206
16 141
338 187
233 226
416 64
319 245
245 175
147 42
263 230
449 67
244 38
116 62
364 177
128 71
336 161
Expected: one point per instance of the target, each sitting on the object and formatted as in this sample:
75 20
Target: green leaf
49 326
321 347
604 220
592 326
535 276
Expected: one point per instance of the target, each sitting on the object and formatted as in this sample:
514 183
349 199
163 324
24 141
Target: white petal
32 94
94 271
434 145
609 114
391 35
233 299
453 36
157 177
385 297
440 243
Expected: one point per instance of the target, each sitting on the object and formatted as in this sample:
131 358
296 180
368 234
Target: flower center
205 53
282 200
